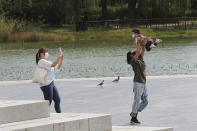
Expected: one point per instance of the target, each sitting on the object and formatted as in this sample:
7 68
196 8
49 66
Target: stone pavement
172 99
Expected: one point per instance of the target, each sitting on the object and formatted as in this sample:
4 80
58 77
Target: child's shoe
157 41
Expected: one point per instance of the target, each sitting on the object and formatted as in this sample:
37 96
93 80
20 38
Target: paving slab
140 128
13 111
171 98
63 122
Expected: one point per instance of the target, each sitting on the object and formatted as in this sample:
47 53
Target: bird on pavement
101 84
117 79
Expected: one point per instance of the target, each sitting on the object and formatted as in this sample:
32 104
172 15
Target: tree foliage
60 12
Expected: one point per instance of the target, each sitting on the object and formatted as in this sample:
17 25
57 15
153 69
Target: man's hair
130 56
137 31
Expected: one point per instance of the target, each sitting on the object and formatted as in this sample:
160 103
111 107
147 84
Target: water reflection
98 58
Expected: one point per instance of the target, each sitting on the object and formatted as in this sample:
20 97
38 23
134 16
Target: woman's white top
50 76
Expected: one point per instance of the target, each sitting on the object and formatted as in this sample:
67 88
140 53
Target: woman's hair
130 56
137 31
41 50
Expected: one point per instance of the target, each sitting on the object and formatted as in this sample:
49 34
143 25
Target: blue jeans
50 93
140 93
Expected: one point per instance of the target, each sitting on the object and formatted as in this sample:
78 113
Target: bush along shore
16 31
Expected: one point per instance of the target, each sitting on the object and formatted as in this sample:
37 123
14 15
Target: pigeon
101 84
117 79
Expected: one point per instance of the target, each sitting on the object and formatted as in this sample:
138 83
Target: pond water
98 58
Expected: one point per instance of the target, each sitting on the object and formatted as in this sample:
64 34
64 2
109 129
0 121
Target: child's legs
155 44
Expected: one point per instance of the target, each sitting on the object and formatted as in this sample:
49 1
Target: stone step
63 122
14 111
140 128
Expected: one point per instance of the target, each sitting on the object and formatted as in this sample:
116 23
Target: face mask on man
46 55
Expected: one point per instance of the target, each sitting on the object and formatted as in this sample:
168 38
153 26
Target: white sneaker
158 41
153 46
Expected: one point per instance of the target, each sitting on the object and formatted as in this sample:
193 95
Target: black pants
148 44
51 93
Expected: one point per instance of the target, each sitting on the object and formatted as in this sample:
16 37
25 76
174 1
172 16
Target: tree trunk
132 8
104 9
76 11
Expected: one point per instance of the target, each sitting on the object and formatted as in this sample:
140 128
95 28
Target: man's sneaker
134 120
157 41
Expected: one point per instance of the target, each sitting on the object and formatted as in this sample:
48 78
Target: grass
124 34
38 36
67 33
12 30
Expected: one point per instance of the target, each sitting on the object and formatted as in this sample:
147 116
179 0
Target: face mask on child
133 35
46 55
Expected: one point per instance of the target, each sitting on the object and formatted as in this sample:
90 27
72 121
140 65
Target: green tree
104 9
131 8
17 8
76 12
1 8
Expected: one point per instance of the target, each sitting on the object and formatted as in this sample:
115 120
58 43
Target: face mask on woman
46 55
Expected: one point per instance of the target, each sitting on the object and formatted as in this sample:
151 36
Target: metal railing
155 23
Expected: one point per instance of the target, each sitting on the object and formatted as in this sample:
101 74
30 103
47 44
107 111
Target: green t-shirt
139 68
